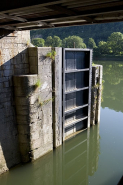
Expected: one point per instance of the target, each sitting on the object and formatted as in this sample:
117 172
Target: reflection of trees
113 86
113 81
94 149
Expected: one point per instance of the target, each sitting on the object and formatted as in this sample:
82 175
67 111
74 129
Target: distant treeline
113 45
99 32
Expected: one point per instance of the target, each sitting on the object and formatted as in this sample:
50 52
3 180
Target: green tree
39 42
103 48
91 43
56 41
115 42
49 41
72 41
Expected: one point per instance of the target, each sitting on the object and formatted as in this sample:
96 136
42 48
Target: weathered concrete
42 65
13 60
96 93
57 95
26 96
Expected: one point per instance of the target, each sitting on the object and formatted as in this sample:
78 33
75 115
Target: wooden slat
74 4
12 17
81 13
23 3
62 9
59 17
35 4
109 16
104 5
78 24
30 11
9 28
78 3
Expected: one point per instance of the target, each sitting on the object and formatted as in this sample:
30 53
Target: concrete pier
96 93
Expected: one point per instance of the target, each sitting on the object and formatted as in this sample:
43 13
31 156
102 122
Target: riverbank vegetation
104 39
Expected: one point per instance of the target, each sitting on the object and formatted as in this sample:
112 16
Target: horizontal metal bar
76 70
76 49
76 108
73 123
75 90
12 17
10 28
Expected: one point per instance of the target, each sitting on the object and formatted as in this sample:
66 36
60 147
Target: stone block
6 84
8 73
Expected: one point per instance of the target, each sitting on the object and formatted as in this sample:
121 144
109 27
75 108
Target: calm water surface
92 157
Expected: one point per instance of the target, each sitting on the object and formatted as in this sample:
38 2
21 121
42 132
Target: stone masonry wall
13 60
27 115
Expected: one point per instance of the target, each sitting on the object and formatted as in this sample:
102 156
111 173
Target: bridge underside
30 14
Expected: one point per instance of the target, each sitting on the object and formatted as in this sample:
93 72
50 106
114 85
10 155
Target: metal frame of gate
84 91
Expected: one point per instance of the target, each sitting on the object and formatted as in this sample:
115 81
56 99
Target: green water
92 157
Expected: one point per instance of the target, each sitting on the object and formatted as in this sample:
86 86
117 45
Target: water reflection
113 86
69 164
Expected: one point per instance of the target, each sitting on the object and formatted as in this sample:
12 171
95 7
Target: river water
92 157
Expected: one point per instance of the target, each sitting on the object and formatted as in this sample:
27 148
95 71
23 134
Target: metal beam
85 15
33 24
46 20
78 24
62 9
9 28
76 3
12 17
22 3
40 23
88 19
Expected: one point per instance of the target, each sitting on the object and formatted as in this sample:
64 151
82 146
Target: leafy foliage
91 43
72 41
38 84
115 42
53 42
49 41
112 46
57 42
39 42
99 32
51 54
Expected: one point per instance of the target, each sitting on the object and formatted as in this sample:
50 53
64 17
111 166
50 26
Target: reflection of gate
76 90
